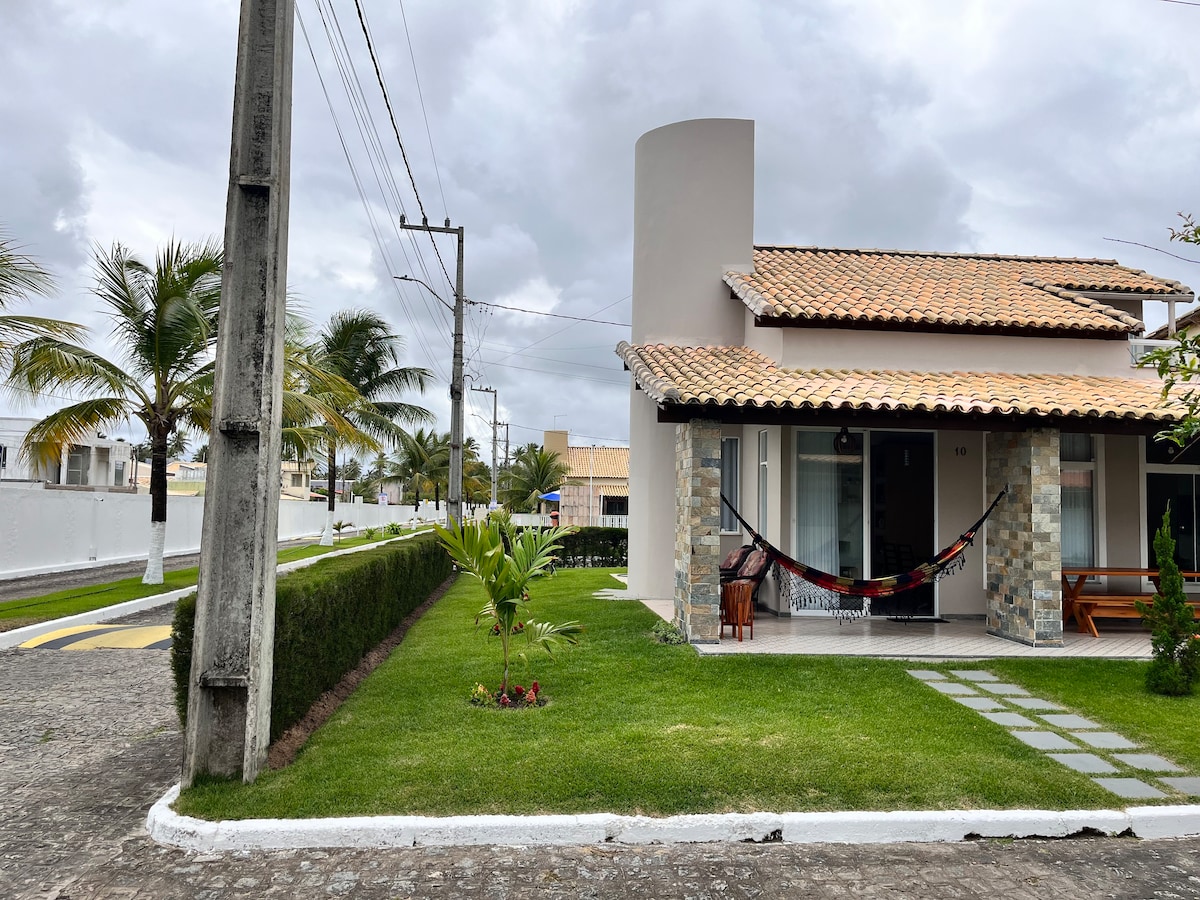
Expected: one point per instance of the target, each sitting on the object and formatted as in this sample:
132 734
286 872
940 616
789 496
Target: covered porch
887 638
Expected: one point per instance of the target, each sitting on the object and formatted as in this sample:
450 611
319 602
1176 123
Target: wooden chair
739 594
733 561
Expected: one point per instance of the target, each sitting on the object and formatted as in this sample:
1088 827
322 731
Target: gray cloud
1016 127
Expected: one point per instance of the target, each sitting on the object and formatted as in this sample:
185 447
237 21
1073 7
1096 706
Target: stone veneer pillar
698 529
1024 546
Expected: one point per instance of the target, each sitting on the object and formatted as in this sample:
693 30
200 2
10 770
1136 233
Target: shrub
370 532
392 529
327 617
668 633
1172 622
595 548
505 572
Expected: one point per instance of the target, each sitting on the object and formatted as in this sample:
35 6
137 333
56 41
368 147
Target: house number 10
960 451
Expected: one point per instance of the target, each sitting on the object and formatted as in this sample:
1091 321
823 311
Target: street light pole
495 442
454 489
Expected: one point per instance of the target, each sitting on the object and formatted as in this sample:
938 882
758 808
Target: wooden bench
1087 607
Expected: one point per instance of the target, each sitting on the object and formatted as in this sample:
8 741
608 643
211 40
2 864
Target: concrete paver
1084 762
1129 788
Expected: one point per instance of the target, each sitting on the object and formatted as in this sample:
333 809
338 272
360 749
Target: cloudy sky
1014 126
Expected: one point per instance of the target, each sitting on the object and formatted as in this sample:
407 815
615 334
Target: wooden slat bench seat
1086 607
1110 606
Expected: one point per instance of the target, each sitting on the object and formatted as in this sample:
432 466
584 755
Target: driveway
88 740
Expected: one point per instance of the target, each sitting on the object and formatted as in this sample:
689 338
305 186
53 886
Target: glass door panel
1179 490
829 503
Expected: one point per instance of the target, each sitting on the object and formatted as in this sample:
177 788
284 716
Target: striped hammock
844 596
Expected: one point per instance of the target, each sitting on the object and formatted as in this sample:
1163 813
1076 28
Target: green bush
327 617
1176 664
595 548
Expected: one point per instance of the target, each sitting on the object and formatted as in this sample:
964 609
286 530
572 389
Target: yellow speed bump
92 637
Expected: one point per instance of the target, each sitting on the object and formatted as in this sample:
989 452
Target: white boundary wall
50 531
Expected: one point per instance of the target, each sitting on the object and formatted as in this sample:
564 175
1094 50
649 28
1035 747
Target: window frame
731 490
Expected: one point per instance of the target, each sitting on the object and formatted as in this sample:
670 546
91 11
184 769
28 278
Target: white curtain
816 501
1078 517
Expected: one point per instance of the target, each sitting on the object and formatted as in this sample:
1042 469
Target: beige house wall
961 498
837 348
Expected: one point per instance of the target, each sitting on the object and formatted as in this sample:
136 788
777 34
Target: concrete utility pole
495 426
229 703
454 489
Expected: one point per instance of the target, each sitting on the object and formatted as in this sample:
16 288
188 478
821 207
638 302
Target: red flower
504 701
535 687
518 690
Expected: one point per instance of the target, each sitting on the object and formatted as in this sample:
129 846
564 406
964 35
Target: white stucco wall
52 530
693 220
837 348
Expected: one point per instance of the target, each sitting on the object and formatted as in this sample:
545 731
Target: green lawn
639 727
31 610
1112 691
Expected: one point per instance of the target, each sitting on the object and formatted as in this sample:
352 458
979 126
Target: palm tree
422 461
165 321
21 278
359 347
535 471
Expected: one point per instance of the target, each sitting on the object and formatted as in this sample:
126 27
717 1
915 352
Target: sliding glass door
865 509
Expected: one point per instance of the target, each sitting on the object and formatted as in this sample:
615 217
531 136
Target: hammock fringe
806 588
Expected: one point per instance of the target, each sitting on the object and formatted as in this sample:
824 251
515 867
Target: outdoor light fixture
845 443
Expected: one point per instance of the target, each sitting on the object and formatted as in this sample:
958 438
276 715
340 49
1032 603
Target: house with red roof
860 408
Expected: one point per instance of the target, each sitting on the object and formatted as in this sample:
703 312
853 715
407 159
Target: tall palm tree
535 471
22 278
422 461
361 348
165 323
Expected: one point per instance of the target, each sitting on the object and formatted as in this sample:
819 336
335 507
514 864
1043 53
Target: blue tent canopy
552 496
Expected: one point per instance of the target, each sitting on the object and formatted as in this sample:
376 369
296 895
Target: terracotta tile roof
598 462
740 377
1186 322
893 288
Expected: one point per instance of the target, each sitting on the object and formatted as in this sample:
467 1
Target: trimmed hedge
595 548
327 617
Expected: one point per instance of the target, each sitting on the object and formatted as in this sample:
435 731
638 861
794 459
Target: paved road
51 582
89 740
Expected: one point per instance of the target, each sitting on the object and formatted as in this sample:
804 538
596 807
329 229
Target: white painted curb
20 635
168 827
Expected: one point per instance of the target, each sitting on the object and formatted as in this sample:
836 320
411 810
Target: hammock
809 588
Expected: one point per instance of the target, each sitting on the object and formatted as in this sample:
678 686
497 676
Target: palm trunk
158 507
331 502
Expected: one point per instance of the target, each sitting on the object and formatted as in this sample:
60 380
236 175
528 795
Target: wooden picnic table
1085 607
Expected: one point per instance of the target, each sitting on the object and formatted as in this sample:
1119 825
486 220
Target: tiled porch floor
915 640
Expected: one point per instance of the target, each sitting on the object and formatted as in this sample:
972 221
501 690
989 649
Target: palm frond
20 276
44 365
74 424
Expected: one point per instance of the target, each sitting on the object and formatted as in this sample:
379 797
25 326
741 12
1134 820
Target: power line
362 21
421 96
536 312
364 122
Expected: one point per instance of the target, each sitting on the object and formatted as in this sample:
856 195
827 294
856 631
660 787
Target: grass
1112 692
634 726
69 602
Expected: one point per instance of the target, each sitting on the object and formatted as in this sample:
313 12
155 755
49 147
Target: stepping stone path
1065 737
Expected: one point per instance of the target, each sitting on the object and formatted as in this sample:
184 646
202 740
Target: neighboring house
295 479
862 407
98 462
596 491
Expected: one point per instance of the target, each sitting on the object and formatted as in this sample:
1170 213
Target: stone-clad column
1024 538
698 529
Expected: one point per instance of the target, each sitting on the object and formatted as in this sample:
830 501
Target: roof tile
741 377
912 289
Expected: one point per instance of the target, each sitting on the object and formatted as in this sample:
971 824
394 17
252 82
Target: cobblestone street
89 739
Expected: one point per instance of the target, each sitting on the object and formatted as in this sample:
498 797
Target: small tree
1173 624
479 549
